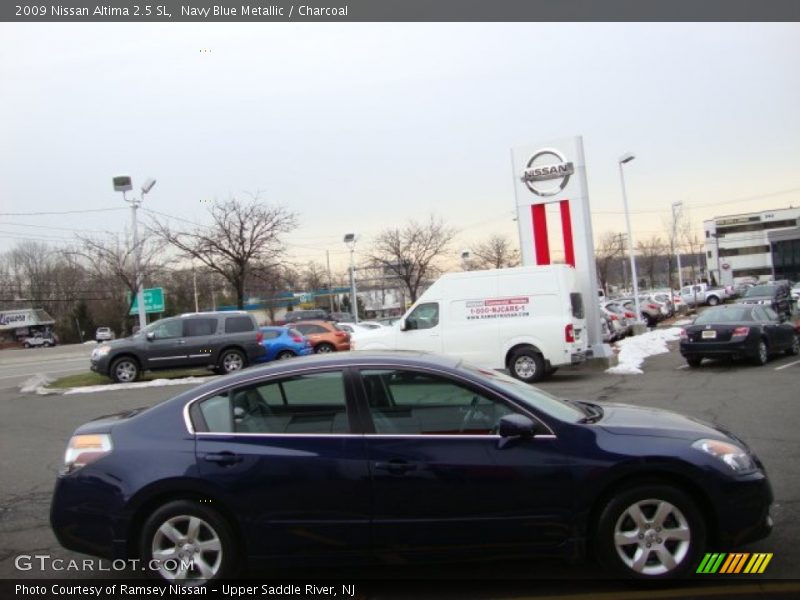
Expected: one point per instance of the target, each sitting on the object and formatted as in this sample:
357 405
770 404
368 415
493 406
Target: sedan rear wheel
188 542
694 361
285 354
650 532
762 353
794 349
324 348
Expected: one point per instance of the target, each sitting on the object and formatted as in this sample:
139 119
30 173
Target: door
167 348
198 337
444 482
780 335
423 330
282 454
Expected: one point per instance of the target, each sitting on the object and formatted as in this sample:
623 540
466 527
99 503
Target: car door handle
396 466
224 459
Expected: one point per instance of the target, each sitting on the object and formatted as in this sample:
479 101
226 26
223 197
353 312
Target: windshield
760 290
530 395
728 314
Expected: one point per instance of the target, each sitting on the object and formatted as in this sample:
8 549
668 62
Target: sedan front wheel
650 532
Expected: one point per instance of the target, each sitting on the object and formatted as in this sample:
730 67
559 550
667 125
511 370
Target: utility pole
194 284
330 279
677 208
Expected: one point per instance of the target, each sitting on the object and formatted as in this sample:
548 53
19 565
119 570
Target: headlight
101 351
732 455
85 449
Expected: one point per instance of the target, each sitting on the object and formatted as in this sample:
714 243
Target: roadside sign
153 301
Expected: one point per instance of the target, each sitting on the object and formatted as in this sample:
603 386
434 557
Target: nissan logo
541 167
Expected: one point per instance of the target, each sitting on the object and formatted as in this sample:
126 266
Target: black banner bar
68 11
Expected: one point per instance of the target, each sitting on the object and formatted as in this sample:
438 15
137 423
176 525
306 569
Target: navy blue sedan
282 343
361 457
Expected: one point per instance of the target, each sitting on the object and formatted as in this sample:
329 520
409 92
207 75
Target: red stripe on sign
566 228
540 242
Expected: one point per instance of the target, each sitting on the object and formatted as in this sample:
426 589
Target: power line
53 227
63 212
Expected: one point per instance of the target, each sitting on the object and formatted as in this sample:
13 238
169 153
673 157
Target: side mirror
408 324
151 335
516 426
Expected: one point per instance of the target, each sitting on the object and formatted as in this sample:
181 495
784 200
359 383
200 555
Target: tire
650 532
527 365
230 361
324 348
649 321
794 349
762 354
284 354
183 530
124 370
694 361
712 301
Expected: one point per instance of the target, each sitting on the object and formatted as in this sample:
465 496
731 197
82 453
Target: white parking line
791 364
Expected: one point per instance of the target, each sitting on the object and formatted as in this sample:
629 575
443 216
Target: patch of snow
683 322
36 384
91 389
90 343
634 350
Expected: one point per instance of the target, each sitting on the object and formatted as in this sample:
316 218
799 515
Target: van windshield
530 395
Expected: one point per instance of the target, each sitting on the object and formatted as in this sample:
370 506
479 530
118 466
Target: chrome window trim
316 368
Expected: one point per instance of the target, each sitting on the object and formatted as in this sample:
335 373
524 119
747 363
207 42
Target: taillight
613 317
85 449
259 337
340 334
569 333
629 315
652 306
297 340
741 332
684 335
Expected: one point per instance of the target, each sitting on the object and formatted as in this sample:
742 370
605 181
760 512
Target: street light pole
625 158
675 215
123 184
350 240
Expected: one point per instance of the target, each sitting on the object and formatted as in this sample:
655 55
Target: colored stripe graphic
734 563
566 230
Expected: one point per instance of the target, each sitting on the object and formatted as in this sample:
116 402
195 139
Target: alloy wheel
187 547
232 361
652 537
125 371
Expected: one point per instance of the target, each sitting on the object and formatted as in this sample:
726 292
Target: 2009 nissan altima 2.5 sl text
358 456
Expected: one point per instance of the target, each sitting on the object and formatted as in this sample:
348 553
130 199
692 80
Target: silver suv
225 341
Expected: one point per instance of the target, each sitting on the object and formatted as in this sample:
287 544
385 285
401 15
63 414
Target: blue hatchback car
282 343
362 457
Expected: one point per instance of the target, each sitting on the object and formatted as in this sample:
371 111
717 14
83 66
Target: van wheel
527 365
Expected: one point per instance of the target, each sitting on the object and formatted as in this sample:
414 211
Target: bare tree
242 236
497 252
608 250
411 252
650 251
113 262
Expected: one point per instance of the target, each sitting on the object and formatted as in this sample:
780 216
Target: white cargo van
529 320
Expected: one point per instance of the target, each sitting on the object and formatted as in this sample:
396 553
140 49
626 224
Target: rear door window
198 327
238 324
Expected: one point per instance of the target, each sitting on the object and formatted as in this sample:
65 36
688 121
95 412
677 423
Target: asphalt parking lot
759 404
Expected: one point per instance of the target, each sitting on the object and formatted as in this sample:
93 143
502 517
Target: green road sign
153 301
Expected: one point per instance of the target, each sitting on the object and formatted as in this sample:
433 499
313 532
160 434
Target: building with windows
762 245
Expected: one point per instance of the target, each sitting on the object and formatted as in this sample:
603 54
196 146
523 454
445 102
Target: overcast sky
357 127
